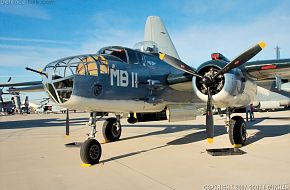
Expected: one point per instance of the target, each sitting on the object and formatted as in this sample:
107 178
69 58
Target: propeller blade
67 124
178 64
9 79
243 58
209 118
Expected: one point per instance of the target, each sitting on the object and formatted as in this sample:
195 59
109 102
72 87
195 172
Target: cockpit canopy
81 64
94 64
147 47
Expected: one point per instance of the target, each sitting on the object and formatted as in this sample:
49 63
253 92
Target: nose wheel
238 131
91 151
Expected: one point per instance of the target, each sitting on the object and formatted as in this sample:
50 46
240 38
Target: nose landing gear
91 150
236 127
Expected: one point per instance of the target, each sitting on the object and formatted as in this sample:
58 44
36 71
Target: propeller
242 58
178 64
209 81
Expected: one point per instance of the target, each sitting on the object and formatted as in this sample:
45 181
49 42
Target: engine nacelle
229 90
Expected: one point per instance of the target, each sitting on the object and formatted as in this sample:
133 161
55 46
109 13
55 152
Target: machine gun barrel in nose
33 70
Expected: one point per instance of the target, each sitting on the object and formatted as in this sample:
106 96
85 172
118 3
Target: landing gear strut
91 149
237 129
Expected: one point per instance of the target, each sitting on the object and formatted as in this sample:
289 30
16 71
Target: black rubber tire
112 129
238 131
91 151
132 120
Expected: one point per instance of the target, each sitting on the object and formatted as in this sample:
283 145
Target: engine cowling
229 90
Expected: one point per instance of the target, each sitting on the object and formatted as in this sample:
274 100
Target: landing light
266 67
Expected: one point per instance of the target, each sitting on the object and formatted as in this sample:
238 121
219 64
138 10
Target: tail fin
155 31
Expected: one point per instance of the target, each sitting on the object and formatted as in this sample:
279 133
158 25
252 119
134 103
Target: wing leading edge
268 69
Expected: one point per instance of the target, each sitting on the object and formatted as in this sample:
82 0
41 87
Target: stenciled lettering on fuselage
121 78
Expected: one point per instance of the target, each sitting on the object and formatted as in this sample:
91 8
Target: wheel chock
105 141
225 151
73 144
85 165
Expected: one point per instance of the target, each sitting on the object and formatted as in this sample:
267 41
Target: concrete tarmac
152 155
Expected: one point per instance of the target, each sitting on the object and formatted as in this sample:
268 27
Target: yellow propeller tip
262 44
210 140
161 56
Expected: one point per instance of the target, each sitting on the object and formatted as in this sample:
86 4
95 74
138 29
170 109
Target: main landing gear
237 131
91 149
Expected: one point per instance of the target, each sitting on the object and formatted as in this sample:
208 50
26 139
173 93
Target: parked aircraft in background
151 80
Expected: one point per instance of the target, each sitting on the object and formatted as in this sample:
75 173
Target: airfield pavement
152 155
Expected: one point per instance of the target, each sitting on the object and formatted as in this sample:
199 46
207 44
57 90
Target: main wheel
237 130
112 129
91 151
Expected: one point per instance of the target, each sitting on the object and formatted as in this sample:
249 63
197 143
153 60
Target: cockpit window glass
120 53
80 65
81 69
132 57
87 65
59 70
91 66
104 66
141 59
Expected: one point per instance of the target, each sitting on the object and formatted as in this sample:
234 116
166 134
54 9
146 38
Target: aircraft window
120 53
59 70
52 92
132 57
87 66
104 67
81 69
141 59
91 66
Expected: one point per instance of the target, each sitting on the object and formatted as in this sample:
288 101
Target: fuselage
118 79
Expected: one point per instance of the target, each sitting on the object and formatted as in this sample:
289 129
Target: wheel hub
116 130
94 152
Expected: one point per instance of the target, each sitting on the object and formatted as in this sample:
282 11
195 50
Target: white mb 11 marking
122 78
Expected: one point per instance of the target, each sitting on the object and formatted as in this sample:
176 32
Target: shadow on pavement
51 122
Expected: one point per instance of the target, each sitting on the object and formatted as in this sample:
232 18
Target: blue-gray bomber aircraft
150 83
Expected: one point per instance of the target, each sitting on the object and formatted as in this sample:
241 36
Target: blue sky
34 33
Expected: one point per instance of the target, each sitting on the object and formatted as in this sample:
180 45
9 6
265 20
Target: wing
32 86
10 84
268 69
180 82
256 70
